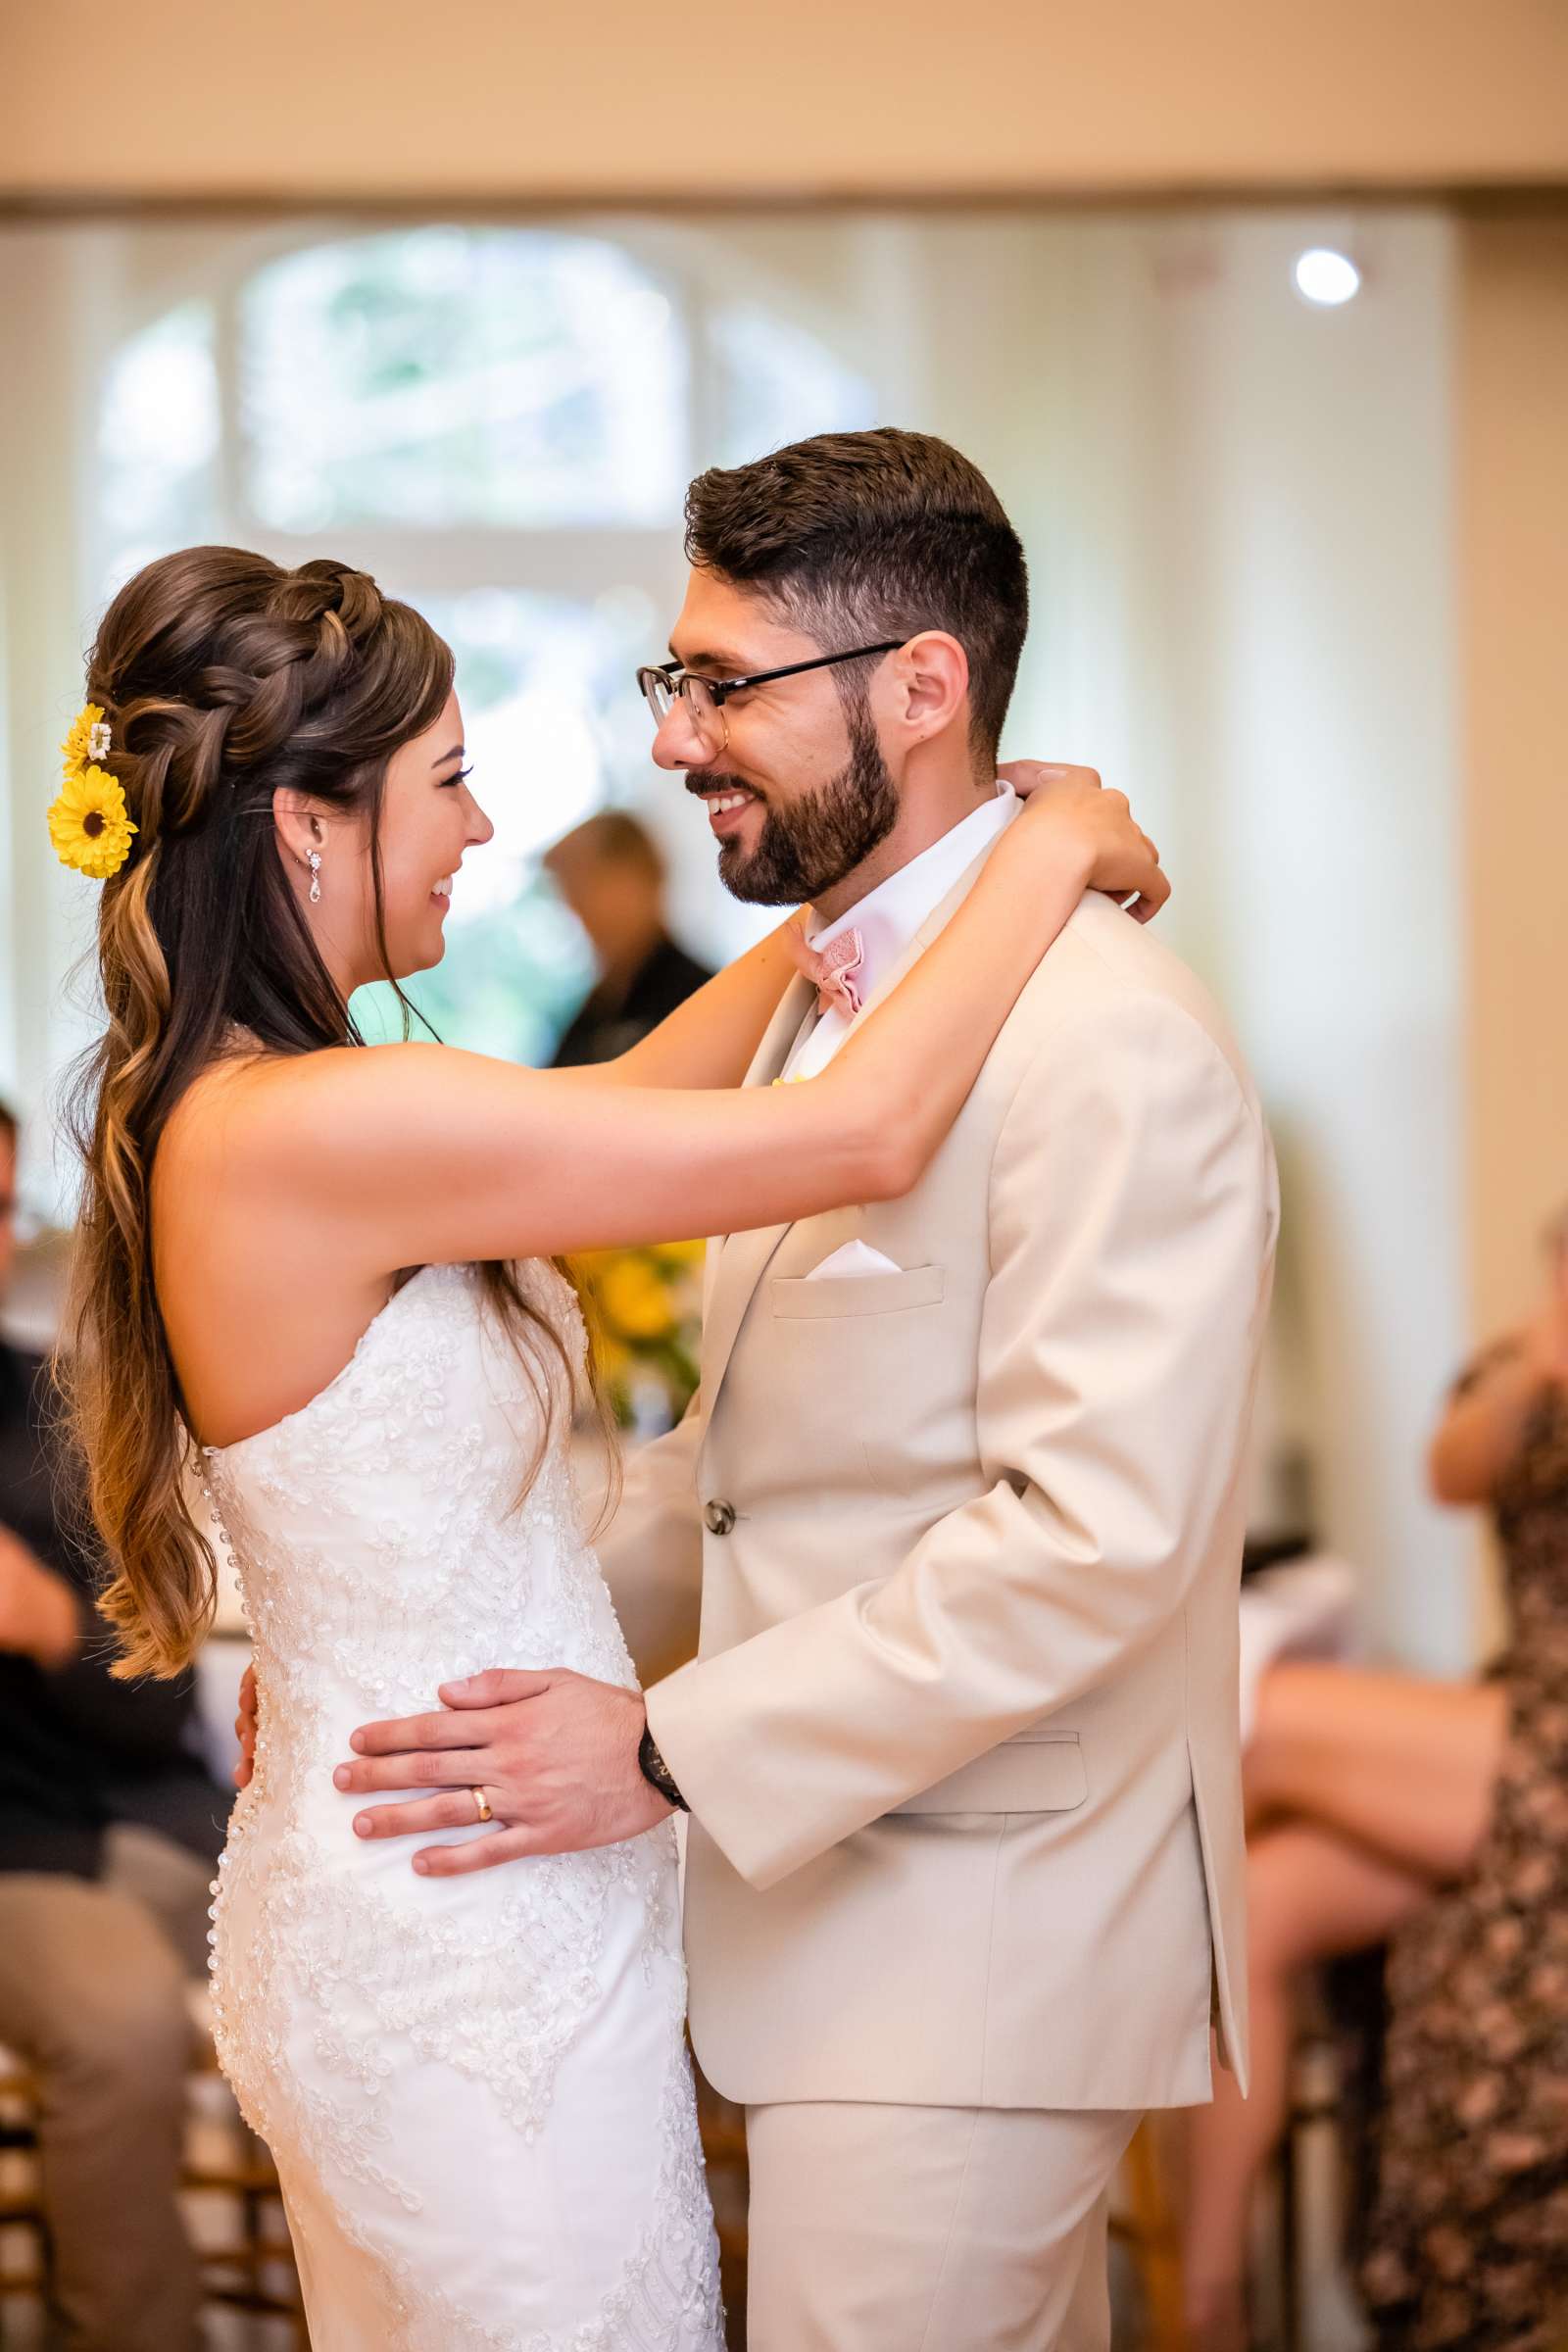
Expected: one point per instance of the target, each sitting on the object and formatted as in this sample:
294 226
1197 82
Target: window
444 378
158 440
499 425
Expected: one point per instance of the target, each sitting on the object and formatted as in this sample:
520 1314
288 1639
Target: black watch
656 1772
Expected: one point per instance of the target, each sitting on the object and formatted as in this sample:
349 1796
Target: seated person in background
110 1829
612 875
1432 1817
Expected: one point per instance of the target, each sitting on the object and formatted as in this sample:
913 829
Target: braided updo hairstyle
223 677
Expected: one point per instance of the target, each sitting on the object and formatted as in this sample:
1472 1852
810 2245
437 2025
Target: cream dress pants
930 2229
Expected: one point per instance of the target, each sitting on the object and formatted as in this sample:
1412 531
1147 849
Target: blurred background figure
110 1830
611 874
1431 1817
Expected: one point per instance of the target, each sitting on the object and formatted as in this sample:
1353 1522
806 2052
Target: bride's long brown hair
223 677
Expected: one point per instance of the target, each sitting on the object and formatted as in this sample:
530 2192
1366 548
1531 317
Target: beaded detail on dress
431 2060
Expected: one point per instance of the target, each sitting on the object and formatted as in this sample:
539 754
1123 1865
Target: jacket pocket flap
857 1294
1022 1776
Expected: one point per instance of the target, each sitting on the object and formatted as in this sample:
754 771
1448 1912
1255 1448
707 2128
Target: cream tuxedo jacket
961 1739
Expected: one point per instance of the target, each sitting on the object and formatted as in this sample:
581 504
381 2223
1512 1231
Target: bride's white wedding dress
476 2089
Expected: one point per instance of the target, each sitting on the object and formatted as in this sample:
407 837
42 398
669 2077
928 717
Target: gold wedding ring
483 1803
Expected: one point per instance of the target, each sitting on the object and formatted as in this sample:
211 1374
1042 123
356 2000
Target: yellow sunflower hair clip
89 824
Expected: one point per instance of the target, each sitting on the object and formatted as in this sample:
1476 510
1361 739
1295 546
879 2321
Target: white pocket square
855 1258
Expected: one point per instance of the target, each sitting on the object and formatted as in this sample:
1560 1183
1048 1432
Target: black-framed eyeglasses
704 698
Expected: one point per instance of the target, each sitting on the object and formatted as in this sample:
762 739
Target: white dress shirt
889 917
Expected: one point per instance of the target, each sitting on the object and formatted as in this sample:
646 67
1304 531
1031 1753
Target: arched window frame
640 562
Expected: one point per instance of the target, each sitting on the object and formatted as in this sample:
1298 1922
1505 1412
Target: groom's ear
924 686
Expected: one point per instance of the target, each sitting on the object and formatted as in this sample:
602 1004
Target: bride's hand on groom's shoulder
1119 858
551 1760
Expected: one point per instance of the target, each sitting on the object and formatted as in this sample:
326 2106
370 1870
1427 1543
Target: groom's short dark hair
856 537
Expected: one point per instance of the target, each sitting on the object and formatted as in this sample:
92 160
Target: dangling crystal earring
314 861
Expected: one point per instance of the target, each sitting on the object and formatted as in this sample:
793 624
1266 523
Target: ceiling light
1325 278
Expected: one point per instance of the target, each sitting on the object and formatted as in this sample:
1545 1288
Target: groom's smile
728 802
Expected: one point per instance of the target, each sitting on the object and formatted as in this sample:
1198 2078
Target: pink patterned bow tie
832 972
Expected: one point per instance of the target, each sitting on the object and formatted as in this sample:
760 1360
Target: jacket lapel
737 1265
735 1261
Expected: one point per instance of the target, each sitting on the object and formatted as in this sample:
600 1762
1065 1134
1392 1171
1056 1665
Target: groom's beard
810 846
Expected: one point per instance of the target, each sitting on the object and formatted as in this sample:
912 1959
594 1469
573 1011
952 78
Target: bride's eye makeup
462 776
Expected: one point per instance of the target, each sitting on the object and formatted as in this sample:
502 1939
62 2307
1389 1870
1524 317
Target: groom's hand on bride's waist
550 1759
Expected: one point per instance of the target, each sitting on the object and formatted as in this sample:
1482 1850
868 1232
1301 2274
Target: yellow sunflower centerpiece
89 824
647 1316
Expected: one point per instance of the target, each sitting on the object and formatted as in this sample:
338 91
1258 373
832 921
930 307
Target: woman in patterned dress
1432 1817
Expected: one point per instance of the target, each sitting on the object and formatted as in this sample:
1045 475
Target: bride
329 1276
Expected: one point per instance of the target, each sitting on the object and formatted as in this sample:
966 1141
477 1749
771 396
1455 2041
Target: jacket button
718 1517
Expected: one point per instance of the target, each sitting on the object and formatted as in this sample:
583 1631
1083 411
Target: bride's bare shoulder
249 1237
263 1138
235 1153
249 1102
243 1095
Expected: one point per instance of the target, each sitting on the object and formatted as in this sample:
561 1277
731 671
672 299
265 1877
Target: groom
963 1488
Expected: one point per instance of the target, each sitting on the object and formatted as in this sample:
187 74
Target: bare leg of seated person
1403 1766
1367 1792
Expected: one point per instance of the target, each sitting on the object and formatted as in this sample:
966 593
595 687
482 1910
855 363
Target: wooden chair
723 2130
1142 2220
246 2262
22 2212
1335 2068
249 2264
1336 2087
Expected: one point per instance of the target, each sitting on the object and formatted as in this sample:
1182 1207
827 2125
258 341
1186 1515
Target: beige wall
392 98
1514 588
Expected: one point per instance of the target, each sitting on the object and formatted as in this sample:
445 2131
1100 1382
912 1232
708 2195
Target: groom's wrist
651 1764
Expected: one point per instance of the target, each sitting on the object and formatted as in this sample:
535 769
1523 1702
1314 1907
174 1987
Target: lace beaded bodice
383 1545
379 1531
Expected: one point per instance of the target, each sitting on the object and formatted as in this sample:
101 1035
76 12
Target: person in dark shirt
110 1828
612 875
